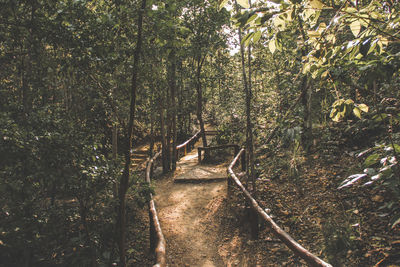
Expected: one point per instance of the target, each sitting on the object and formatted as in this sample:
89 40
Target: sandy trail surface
187 218
187 211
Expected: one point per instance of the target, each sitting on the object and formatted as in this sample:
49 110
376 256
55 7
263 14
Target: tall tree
124 182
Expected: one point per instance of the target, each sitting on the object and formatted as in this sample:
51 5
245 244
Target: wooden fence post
199 154
229 185
243 161
253 220
152 233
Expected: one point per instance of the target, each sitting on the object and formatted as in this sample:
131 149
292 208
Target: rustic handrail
157 240
299 250
236 150
190 142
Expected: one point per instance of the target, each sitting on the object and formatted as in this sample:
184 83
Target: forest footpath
203 228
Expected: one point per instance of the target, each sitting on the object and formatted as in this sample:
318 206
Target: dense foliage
295 75
67 81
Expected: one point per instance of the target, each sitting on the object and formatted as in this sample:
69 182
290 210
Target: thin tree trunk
169 132
181 114
199 90
249 134
163 140
123 186
114 141
151 147
249 127
115 152
248 97
172 86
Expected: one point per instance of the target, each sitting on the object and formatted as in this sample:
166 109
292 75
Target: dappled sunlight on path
187 210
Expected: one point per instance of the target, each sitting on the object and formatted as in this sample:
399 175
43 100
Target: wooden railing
157 241
188 145
209 148
310 258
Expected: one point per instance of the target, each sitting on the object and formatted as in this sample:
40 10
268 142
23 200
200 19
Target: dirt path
187 219
202 228
187 213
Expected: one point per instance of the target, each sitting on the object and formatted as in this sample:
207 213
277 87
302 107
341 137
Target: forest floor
346 227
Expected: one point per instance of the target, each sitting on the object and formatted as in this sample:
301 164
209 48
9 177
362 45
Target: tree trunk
199 90
249 135
114 141
115 153
163 141
151 147
180 113
124 181
172 87
249 126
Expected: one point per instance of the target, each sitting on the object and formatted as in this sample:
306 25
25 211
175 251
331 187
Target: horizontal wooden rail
310 258
189 140
188 145
208 148
212 132
157 241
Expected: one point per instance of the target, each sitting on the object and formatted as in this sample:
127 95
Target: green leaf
338 102
243 3
397 148
372 47
316 4
333 113
279 23
272 46
357 112
308 12
379 117
313 34
363 107
251 18
256 37
355 27
371 160
247 38
222 4
336 118
350 10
